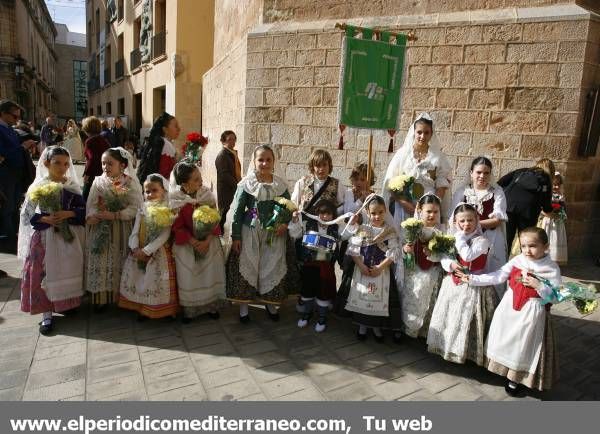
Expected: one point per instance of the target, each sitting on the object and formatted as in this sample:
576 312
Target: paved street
111 356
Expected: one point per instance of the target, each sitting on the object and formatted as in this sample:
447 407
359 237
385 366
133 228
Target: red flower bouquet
194 146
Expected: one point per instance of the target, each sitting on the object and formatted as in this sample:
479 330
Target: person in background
11 166
159 155
229 173
528 191
46 134
120 133
107 134
95 146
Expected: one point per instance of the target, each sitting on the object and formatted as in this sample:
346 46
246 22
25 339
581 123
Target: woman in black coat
528 191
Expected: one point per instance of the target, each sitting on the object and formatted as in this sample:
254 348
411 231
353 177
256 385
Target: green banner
372 79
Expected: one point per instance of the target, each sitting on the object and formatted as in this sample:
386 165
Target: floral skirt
240 291
33 297
155 310
103 269
460 321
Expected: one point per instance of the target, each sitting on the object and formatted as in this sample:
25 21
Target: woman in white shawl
257 264
51 239
112 205
421 157
200 262
72 141
488 199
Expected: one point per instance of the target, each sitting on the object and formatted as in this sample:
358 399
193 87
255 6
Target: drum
318 242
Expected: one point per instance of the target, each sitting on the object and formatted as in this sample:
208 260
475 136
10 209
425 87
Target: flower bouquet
205 220
412 228
157 218
115 199
282 215
584 297
441 245
48 198
194 146
401 187
559 209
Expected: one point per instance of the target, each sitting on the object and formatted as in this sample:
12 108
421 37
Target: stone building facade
503 78
178 37
71 67
28 57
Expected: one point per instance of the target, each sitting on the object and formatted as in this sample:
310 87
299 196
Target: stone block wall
223 102
508 86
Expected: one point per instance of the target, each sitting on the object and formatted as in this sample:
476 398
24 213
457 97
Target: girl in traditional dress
112 205
462 313
257 265
159 154
421 157
421 281
373 296
72 141
317 269
554 223
353 202
200 262
489 201
46 235
149 281
521 341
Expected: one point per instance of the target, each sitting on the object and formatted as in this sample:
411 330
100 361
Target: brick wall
500 85
223 101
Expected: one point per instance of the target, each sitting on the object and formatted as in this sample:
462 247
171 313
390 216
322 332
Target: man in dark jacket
107 134
12 163
229 173
528 192
119 132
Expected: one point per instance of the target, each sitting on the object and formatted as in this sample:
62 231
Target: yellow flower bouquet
205 220
114 200
157 218
412 228
48 198
401 187
282 215
441 245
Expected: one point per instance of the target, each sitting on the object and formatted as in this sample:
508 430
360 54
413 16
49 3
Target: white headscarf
129 170
399 159
164 183
178 198
28 209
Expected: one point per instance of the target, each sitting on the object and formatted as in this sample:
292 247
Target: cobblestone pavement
111 356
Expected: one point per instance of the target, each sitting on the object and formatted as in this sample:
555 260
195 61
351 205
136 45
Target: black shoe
245 319
361 336
141 318
46 329
397 337
99 308
272 316
512 388
3 274
186 320
378 339
214 315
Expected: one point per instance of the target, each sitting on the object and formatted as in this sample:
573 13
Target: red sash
475 265
521 293
421 258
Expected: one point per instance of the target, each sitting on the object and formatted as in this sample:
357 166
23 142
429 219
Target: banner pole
369 170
